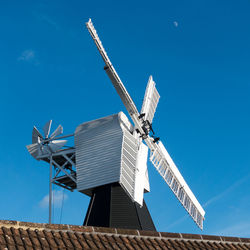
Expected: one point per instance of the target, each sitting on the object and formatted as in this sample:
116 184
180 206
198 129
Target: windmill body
107 152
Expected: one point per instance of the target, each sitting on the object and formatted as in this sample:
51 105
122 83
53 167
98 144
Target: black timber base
110 206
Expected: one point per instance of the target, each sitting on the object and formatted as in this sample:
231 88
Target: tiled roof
25 235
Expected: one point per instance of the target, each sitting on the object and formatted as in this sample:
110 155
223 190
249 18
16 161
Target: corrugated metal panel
98 152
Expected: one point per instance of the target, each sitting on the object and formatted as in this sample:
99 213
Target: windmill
143 126
108 161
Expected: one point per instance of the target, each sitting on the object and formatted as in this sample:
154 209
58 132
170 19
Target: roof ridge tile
26 227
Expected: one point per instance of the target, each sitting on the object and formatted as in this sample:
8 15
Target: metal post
50 189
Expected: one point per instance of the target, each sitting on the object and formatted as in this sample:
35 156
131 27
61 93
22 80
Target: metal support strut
50 189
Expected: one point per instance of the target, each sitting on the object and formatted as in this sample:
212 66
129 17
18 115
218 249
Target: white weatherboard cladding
98 149
106 152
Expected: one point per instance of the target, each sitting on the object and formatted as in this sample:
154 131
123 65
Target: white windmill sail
115 79
159 156
172 176
150 101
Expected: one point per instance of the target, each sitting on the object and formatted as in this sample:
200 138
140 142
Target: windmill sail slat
36 135
46 128
150 101
33 149
167 169
56 145
58 131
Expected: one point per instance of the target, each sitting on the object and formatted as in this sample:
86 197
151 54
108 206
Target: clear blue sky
198 52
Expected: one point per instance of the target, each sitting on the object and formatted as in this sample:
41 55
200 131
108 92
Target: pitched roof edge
121 232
